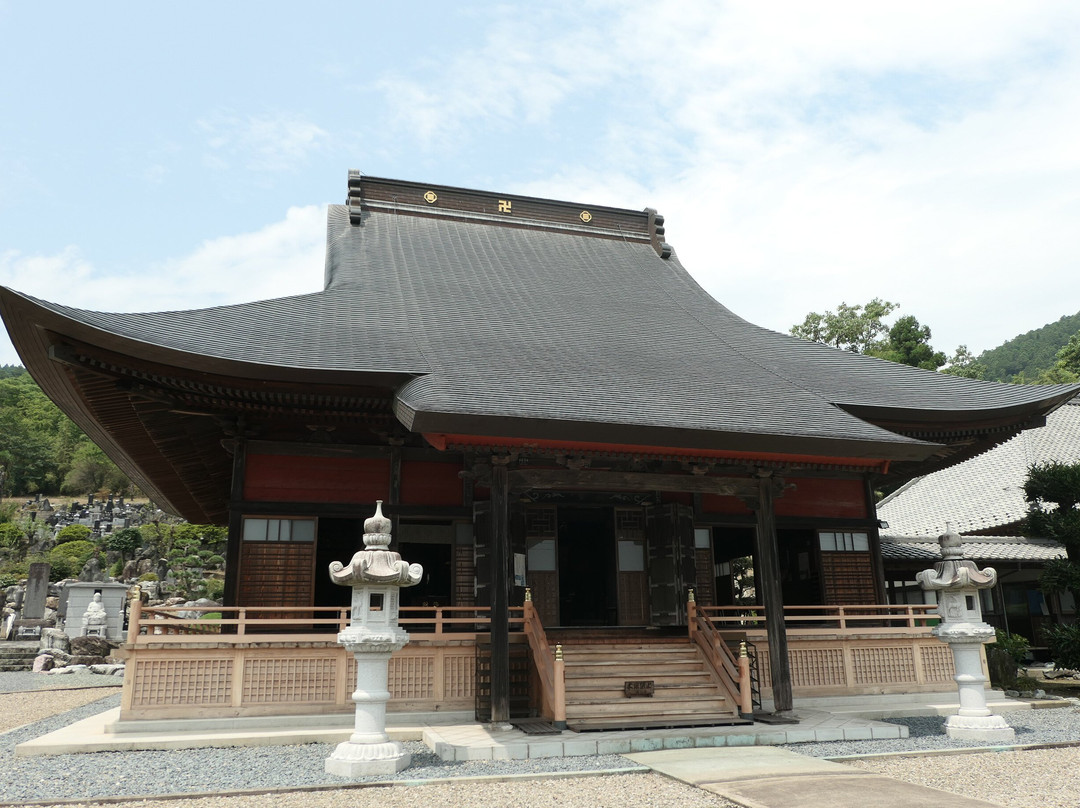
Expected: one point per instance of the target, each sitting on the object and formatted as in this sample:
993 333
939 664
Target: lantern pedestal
957 582
376 576
369 749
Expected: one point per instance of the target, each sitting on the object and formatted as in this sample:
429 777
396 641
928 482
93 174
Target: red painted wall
812 496
424 483
289 478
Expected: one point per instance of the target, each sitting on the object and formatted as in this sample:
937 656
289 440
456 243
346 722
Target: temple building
542 396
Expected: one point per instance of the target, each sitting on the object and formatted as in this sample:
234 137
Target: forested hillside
42 451
1025 357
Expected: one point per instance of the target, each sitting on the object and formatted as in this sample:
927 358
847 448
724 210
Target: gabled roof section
984 494
484 314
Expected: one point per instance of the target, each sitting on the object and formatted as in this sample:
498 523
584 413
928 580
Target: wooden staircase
685 691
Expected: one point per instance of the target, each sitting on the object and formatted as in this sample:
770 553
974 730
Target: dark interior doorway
337 540
587 595
434 586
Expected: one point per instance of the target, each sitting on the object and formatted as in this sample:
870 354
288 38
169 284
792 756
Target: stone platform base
989 729
360 760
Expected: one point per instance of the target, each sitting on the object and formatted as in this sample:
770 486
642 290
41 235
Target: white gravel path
1042 778
609 791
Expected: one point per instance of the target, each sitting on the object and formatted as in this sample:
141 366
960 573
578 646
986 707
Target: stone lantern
376 576
957 582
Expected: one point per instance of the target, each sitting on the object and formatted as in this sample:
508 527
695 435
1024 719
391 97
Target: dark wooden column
236 524
500 589
395 486
875 542
772 595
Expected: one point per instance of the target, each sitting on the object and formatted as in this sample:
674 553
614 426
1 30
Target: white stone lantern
376 575
957 582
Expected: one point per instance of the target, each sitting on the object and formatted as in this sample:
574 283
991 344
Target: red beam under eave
442 441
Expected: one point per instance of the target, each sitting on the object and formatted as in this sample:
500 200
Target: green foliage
851 328
190 550
214 588
72 533
78 549
67 559
38 443
11 535
11 572
148 576
1014 645
1064 644
92 472
125 542
1026 356
1052 491
1026 684
909 344
963 363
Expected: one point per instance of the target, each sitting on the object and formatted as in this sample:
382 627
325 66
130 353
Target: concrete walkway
777 778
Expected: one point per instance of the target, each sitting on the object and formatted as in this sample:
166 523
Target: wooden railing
732 673
265 624
549 664
818 620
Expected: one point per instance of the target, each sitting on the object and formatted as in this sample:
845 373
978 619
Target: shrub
126 541
73 533
1064 644
214 588
1026 684
1014 645
11 535
148 576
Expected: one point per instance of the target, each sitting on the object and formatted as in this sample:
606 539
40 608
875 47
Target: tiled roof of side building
1004 548
985 492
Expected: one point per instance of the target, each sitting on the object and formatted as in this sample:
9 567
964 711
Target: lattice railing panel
937 663
182 682
290 680
459 676
412 678
884 665
817 667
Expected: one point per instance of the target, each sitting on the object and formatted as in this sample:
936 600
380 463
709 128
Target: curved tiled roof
986 492
1008 548
533 331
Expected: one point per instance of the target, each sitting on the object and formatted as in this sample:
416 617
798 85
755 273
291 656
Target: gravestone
32 619
37 589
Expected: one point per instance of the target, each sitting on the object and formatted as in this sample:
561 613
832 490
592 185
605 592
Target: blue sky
174 156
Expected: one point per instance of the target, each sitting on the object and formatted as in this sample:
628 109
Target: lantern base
362 759
987 728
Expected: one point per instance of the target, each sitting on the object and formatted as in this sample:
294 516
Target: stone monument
957 582
376 576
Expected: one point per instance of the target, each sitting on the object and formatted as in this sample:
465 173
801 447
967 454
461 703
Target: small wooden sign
639 689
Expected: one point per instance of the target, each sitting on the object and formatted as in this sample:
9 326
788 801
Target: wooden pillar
500 614
772 596
395 486
875 542
236 524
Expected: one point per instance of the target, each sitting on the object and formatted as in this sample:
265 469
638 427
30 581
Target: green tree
1052 491
92 472
909 344
963 363
126 542
851 328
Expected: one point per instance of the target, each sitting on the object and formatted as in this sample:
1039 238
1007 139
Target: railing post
559 706
135 616
746 699
438 621
691 614
241 627
843 618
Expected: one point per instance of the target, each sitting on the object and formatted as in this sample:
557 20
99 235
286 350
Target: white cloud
259 142
283 258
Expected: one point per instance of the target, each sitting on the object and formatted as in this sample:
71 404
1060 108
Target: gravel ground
156 773
1057 725
1049 778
